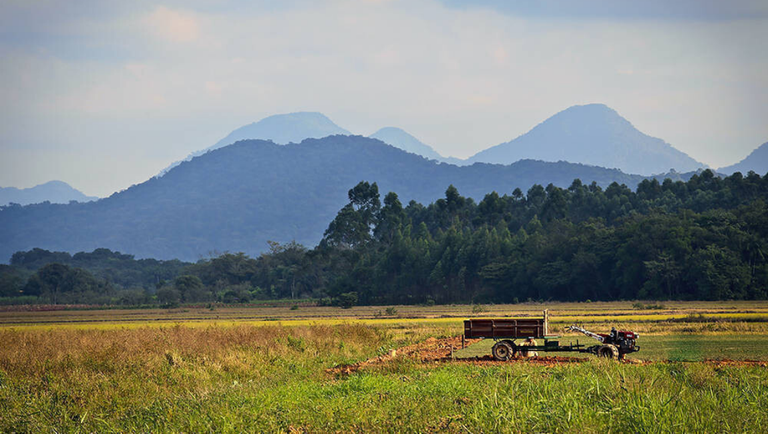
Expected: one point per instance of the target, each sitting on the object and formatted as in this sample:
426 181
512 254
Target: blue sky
106 94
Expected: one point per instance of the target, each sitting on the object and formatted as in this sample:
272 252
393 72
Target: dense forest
704 239
239 197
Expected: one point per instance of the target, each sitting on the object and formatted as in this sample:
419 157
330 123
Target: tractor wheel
502 351
514 347
608 351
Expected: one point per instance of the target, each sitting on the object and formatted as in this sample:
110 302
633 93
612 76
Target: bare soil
434 351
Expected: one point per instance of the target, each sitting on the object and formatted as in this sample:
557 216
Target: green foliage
478 308
347 300
705 239
276 379
120 270
240 196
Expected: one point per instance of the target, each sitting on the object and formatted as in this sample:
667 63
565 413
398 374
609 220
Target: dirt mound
729 362
431 350
434 350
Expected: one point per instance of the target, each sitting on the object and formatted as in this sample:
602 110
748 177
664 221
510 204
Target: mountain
402 140
238 197
756 161
591 134
281 129
285 128
51 191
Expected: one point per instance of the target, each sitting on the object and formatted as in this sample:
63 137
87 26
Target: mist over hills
51 191
237 197
285 128
281 129
591 134
756 161
399 138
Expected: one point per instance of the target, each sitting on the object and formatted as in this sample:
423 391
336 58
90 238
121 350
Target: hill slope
401 139
285 128
591 134
756 161
281 129
238 197
51 191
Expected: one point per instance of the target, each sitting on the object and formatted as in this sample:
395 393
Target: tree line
704 239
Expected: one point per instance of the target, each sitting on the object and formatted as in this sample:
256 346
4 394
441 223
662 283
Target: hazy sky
104 94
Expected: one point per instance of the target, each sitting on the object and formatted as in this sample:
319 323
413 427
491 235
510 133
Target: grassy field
683 348
245 371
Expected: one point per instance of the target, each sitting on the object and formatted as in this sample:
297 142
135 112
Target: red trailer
506 330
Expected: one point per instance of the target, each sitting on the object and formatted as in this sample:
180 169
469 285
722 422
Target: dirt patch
435 350
729 362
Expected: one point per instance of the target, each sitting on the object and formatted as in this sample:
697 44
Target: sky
104 95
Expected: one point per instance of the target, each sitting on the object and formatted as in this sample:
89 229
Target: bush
168 296
347 300
391 311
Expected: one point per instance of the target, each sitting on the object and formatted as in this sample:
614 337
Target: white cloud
173 25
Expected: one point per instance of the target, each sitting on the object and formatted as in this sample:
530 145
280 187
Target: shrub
347 300
478 308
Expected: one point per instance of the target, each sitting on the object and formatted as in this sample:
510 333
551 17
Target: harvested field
372 375
448 350
697 316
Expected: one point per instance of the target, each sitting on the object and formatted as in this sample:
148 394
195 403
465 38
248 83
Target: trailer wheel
502 351
608 351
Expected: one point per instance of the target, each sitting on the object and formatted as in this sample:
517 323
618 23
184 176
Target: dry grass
272 378
746 317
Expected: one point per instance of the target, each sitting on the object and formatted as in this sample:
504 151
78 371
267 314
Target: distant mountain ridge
399 138
281 129
238 197
285 128
591 134
51 191
756 161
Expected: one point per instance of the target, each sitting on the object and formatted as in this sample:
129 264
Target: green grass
597 396
684 348
272 378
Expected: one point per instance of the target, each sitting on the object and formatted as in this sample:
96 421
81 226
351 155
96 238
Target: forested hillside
705 239
239 197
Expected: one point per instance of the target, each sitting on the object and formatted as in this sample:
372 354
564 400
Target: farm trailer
613 345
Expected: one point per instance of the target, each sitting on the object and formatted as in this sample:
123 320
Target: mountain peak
52 191
592 134
401 139
285 128
281 129
756 161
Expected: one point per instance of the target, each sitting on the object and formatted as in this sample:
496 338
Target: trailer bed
505 328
